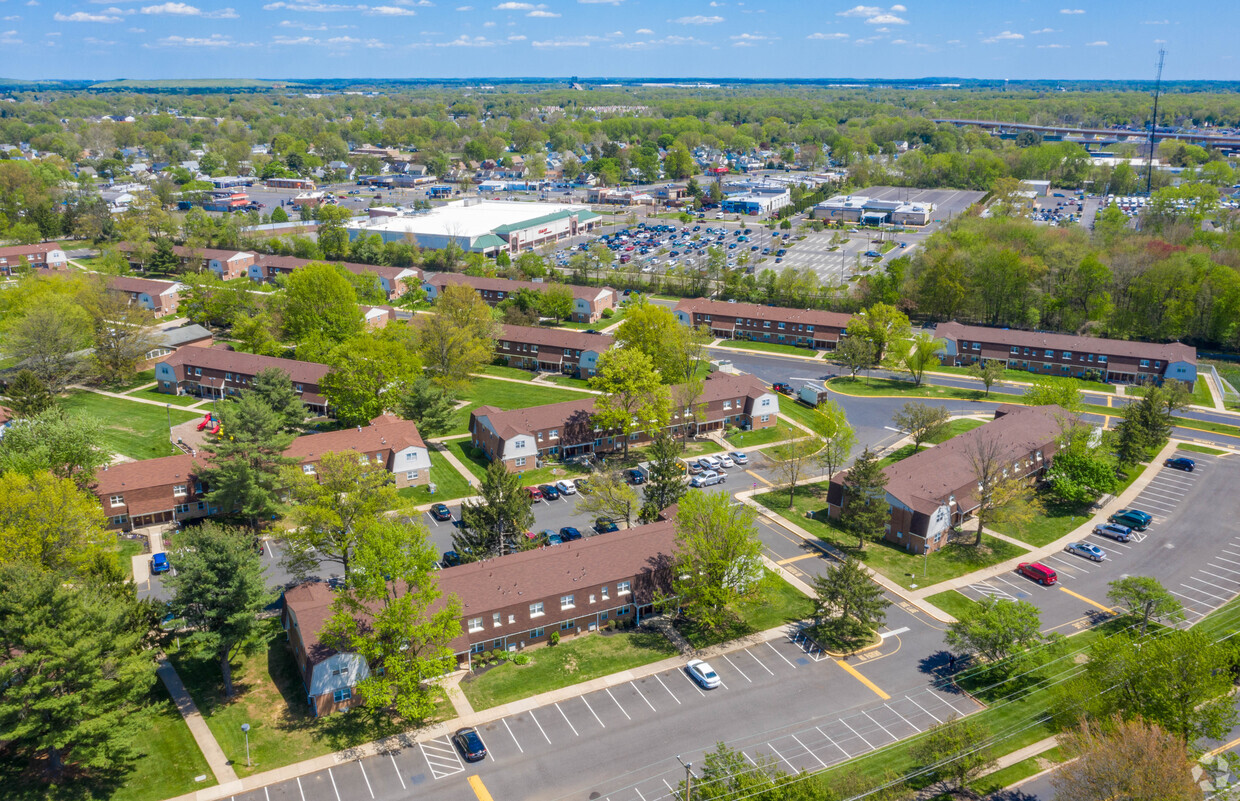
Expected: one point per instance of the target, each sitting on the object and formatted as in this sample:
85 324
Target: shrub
554 638
608 314
521 659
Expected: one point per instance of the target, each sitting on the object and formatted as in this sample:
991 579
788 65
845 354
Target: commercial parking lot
1191 547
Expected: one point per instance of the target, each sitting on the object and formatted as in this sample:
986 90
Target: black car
550 492
583 486
441 512
470 745
605 526
636 477
1181 463
568 534
780 386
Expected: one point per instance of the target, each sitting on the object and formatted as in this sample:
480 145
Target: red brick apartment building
509 603
160 297
227 264
557 350
395 281
219 372
1115 360
805 328
930 492
168 490
521 438
588 301
45 256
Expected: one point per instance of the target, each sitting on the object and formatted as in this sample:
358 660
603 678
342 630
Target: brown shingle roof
385 433
293 263
17 251
125 283
556 337
754 311
245 363
116 479
506 285
1073 343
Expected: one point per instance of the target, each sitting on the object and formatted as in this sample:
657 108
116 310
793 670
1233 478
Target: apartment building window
566 602
592 598
497 619
1050 354
1102 360
505 346
181 509
119 520
536 609
766 418
411 456
555 433
809 329
606 593
475 624
411 475
1015 351
568 625
766 323
1157 365
766 401
624 610
343 694
520 462
298 387
197 371
1067 354
117 500
781 326
1091 357
308 469
623 588
1145 362
977 346
727 404
536 633
1026 351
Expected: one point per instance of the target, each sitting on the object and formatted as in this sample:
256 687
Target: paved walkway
457 464
118 395
219 763
819 356
1216 394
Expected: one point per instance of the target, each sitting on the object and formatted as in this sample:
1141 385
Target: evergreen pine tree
496 524
246 460
865 498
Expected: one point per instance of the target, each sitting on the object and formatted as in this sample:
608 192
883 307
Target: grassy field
505 395
568 381
477 465
573 661
1025 377
994 782
125 551
503 371
952 602
770 347
954 428
782 430
777 602
136 430
795 410
449 483
139 379
617 314
163 397
1201 393
1058 519
271 698
1186 446
878 387
895 563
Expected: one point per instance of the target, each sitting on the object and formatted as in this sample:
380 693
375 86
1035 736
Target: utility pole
688 778
1149 160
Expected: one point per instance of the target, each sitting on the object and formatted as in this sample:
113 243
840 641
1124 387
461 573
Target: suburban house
218 372
1113 360
171 340
161 297
395 281
588 302
806 328
45 256
509 603
934 490
227 264
168 490
559 350
522 438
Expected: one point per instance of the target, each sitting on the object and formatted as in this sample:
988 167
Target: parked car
709 462
694 468
1087 549
726 461
552 538
583 486
470 744
605 526
780 386
549 492
739 457
703 674
569 533
1114 531
160 563
873 254
535 493
1038 572
566 486
1132 518
451 559
708 479
636 477
1181 463
441 512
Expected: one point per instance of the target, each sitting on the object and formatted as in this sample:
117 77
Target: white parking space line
592 712
513 736
639 794
927 711
626 714
1231 553
540 728
299 790
392 757
1016 587
367 778
781 656
1165 494
1070 565
669 787
334 788
1224 569
1217 576
1188 598
1155 505
901 717
738 670
881 726
759 661
833 742
1200 591
669 691
642 696
1211 583
791 767
441 758
569 722
947 702
868 744
811 753
747 756
692 683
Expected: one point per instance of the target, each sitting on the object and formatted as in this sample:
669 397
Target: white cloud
1099 43
538 12
751 37
515 7
900 41
464 8
214 40
9 38
1043 30
186 10
516 37
1001 37
1071 11
390 11
310 6
886 19
644 32
92 41
464 41
12 18
697 19
823 36
294 40
1053 47
83 16
32 2
860 11
667 41
304 26
54 33
899 8
582 41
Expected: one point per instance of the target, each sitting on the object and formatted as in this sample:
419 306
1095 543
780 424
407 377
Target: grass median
776 603
505 395
779 432
769 347
449 483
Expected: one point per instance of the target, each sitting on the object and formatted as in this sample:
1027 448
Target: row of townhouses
216 372
806 328
588 302
45 256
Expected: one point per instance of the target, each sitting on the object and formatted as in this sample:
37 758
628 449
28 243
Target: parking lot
800 702
1191 547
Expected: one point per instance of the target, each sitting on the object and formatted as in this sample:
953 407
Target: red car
1038 572
535 493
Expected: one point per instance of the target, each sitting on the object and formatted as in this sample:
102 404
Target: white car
739 457
709 462
726 461
703 674
566 487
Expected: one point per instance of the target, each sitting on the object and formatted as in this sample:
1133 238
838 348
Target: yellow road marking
480 789
1080 597
1109 399
1223 748
790 560
760 478
856 675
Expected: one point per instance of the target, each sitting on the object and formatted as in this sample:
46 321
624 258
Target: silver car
1088 550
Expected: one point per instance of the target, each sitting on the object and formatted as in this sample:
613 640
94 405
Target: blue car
1181 463
568 534
160 564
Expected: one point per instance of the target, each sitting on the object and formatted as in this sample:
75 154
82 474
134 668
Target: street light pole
245 727
688 777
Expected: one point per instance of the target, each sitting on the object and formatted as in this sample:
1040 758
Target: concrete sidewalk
220 766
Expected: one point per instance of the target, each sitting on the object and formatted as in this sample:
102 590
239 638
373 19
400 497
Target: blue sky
292 39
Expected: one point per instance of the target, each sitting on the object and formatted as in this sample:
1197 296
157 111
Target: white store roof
473 220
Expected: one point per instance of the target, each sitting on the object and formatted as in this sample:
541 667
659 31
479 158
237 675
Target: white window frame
567 602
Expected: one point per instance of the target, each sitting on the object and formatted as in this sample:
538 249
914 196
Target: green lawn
1025 377
771 347
505 395
994 782
125 551
136 430
895 563
794 409
1207 425
871 387
1201 393
163 397
449 483
1186 446
1058 519
952 602
139 379
503 371
272 699
776 603
782 430
954 428
477 464
568 381
582 658
617 314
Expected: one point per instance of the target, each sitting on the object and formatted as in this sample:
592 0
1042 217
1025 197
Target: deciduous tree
996 629
458 339
1117 758
882 326
718 558
610 496
48 523
921 421
557 302
370 373
1144 597
855 353
318 299
1000 497
634 398
124 335
988 371
921 355
792 460
47 338
954 752
66 445
831 424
